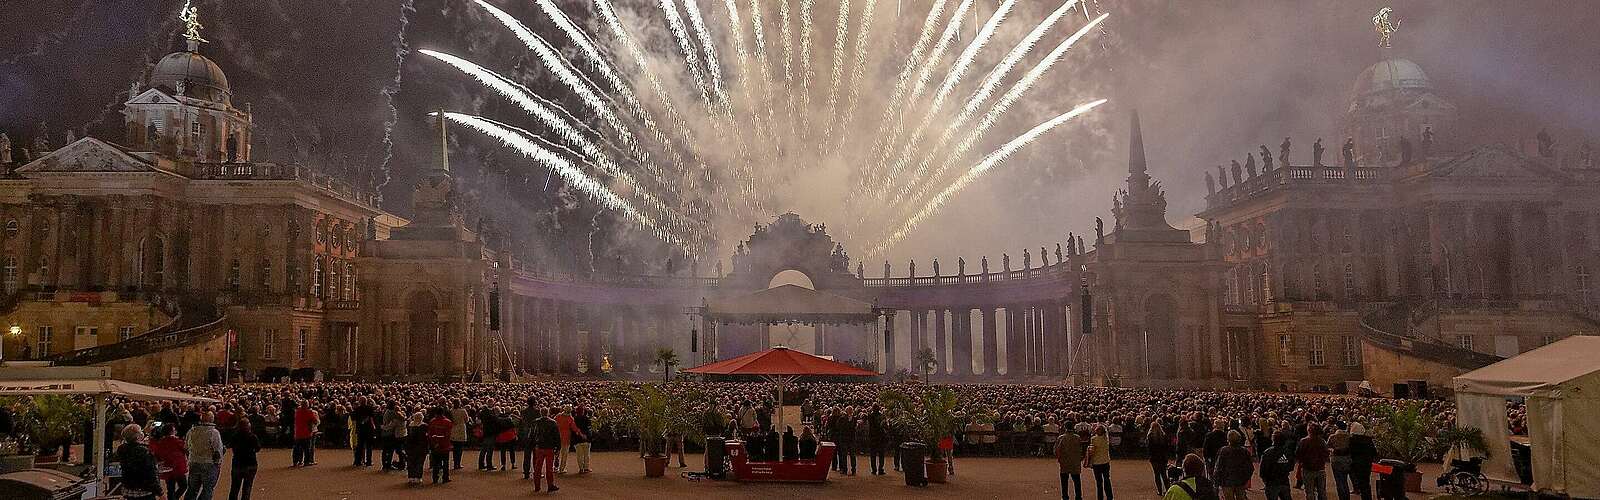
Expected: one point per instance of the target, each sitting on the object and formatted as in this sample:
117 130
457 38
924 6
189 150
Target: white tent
1561 385
89 381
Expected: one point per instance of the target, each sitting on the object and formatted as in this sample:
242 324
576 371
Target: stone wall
179 366
1384 368
66 312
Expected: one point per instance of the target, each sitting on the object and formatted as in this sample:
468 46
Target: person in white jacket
205 457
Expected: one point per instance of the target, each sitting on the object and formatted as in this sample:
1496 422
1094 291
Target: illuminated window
1351 351
305 342
1285 349
1464 342
333 279
316 276
8 274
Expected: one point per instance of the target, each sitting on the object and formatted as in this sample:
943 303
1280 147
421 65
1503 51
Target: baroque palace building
1403 258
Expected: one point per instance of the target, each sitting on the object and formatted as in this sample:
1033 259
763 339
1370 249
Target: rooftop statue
1316 153
1283 152
1266 159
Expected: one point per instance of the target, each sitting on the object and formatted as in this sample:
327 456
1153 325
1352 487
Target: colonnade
1034 338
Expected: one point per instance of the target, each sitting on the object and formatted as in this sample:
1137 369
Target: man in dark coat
1234 468
877 435
139 477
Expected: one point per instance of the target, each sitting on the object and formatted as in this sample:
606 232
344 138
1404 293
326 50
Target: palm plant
667 359
928 414
653 413
1406 433
926 361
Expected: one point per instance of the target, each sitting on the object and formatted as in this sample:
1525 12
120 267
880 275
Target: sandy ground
621 475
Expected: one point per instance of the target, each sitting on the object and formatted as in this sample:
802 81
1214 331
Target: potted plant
926 363
49 424
16 452
928 416
653 414
1406 433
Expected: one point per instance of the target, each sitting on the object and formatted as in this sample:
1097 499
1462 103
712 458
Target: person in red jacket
172 455
439 452
306 422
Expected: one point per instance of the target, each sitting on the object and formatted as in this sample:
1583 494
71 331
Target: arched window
11 228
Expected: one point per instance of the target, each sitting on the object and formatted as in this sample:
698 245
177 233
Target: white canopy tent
89 381
1560 383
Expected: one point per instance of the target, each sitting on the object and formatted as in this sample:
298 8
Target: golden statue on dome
1385 25
190 15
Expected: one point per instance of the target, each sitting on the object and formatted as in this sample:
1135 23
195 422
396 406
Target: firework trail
400 51
805 62
839 40
786 28
988 162
913 61
963 63
563 126
985 89
923 74
519 140
691 57
858 71
713 68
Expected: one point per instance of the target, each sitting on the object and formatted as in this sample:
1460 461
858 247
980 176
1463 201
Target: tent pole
99 440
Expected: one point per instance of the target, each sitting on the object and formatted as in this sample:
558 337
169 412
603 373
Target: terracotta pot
936 470
655 466
1414 482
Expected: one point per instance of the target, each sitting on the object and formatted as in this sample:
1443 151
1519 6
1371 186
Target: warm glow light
14 330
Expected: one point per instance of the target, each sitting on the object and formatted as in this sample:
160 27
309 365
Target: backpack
1206 491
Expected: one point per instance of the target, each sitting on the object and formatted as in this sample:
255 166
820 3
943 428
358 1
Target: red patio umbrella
782 365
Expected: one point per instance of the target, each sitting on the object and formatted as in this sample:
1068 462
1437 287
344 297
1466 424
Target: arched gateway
1001 317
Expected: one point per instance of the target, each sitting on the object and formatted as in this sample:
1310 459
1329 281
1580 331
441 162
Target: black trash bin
912 456
716 449
1392 478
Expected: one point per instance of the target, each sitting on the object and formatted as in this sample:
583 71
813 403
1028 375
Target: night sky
1212 80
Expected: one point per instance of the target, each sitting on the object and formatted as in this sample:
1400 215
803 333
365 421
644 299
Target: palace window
1548 339
1250 286
233 275
11 228
349 281
1349 281
1583 283
8 274
264 275
44 338
333 279
1464 342
303 347
1318 291
269 344
1317 356
124 333
194 135
316 276
1285 349
1351 352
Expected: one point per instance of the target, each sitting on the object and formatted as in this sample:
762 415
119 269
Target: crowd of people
1236 437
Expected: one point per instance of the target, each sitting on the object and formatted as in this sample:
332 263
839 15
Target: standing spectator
843 430
1194 485
306 422
1234 467
416 448
1362 454
876 435
530 414
1069 457
441 441
568 428
1277 463
205 457
1339 461
1160 454
547 436
172 455
286 415
243 476
394 434
583 424
490 427
1312 457
1100 461
364 421
458 432
1213 443
139 478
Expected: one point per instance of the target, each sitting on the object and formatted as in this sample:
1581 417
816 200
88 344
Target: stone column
918 325
1014 344
963 341
939 333
888 342
1049 338
990 344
